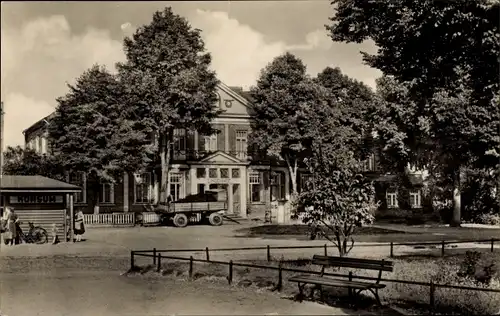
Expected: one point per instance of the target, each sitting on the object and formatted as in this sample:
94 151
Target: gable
232 103
220 157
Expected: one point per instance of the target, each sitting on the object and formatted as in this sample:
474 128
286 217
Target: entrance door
236 199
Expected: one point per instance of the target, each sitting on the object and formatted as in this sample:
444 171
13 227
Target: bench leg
301 291
375 293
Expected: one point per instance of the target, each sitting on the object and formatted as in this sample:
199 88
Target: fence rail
391 245
118 219
157 258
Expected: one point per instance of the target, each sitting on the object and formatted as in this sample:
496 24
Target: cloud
36 62
239 52
20 113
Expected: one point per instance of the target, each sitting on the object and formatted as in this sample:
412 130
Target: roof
37 124
35 183
242 93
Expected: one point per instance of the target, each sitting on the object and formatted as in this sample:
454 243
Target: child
55 238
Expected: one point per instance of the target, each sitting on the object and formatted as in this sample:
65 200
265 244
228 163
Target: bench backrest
355 263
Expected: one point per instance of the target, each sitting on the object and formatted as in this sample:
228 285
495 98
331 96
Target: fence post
280 277
492 242
154 256
230 277
442 248
392 249
431 298
350 280
326 250
191 267
208 255
159 263
268 253
132 253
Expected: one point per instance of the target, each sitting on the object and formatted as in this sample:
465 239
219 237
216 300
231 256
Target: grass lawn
303 230
413 298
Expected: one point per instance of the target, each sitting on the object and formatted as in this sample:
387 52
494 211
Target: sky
46 45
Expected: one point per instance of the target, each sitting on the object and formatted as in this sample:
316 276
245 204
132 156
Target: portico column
193 179
230 203
243 192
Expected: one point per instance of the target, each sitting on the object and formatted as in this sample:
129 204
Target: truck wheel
180 220
215 219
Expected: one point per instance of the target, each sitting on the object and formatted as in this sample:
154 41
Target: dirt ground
85 278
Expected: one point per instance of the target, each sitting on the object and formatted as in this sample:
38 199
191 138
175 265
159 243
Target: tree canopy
287 106
441 84
26 162
168 82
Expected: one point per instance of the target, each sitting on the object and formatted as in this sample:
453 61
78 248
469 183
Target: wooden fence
115 219
157 257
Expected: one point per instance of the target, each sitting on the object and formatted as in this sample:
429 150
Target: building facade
198 163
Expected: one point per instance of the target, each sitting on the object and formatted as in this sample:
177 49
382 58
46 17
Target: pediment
220 158
232 102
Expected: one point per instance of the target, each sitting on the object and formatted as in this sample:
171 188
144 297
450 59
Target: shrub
489 219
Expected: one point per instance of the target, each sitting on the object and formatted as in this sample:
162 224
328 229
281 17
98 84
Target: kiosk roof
35 184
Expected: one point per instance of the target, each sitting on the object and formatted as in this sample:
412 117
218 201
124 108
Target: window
176 181
254 184
392 199
278 186
224 173
179 143
415 199
241 144
212 173
369 164
40 145
107 193
235 173
304 179
79 179
142 188
210 143
201 173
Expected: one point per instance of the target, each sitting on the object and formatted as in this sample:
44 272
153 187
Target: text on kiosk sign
36 199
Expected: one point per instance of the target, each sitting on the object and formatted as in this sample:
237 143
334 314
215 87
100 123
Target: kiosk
40 200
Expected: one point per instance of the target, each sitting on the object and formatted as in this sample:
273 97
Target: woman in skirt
79 226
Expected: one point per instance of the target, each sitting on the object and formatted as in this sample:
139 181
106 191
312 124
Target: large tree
356 102
286 102
168 82
445 56
19 161
90 133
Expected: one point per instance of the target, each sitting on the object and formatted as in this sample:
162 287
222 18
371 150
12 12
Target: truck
208 206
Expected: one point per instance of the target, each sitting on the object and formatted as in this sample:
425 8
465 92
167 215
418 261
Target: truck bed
197 206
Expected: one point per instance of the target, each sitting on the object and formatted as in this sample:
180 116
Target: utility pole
1 139
1 154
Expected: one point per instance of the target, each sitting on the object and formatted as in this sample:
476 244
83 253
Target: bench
355 263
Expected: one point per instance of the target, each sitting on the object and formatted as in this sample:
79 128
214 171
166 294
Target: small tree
169 84
26 162
338 198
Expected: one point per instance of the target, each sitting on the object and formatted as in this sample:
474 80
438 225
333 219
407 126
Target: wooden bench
355 263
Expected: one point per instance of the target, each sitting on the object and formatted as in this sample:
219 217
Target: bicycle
35 235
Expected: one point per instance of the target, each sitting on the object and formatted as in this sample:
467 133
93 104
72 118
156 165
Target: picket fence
118 219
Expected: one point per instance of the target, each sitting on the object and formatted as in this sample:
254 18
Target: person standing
10 229
79 226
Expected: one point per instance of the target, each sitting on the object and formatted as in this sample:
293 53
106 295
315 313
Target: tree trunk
165 161
457 216
96 195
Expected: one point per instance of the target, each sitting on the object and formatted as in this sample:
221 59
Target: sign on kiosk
36 199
